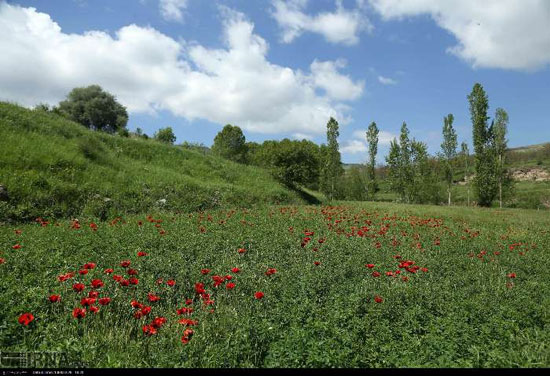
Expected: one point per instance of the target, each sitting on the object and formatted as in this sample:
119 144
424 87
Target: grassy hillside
52 167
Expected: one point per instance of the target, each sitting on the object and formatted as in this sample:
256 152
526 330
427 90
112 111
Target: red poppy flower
378 299
124 283
259 295
184 310
171 282
241 250
146 310
83 271
17 246
97 283
370 266
188 332
511 275
235 270
26 319
199 288
317 263
153 298
217 280
136 304
87 301
79 313
271 271
188 322
133 281
2 261
142 254
425 270
132 271
158 322
125 264
108 271
89 265
228 277
94 309
189 301
149 330
230 286
376 274
140 223
78 287
138 315
205 271
118 278
18 232
93 294
405 278
55 298
104 301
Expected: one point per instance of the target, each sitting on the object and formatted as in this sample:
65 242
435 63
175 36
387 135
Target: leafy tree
504 180
423 186
485 180
466 159
372 141
449 151
393 160
230 143
405 171
331 165
165 135
94 108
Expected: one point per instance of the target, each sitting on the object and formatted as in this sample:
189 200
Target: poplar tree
372 141
449 151
405 171
331 168
393 160
466 157
504 180
485 180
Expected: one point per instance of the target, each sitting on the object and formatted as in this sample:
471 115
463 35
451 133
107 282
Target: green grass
464 311
53 167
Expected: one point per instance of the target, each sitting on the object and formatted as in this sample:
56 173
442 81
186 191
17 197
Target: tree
423 186
405 172
449 151
466 158
331 165
295 162
372 141
500 128
393 160
94 108
165 135
484 181
230 143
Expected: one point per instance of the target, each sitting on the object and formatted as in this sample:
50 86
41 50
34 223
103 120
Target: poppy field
355 285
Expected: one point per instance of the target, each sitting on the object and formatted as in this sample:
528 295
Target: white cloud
341 26
172 10
386 80
508 34
149 71
358 144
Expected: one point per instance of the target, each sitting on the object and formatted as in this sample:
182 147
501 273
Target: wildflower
158 322
376 274
94 309
17 246
199 288
83 271
317 263
241 250
205 271
124 283
425 270
104 301
87 301
378 299
89 265
235 270
188 322
78 287
149 330
136 304
118 278
133 281
511 275
230 286
97 283
271 271
153 298
26 319
259 295
370 266
2 261
146 310
108 271
189 301
141 254
125 264
171 282
79 313
55 298
228 277
132 272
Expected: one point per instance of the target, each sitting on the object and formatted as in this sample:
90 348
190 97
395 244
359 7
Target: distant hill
52 167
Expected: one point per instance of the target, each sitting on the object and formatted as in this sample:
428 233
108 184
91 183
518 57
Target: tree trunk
500 180
449 191
468 195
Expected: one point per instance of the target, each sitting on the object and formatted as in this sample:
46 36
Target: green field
451 301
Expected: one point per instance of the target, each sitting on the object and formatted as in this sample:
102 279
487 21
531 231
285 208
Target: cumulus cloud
149 71
386 80
507 34
341 26
172 10
358 144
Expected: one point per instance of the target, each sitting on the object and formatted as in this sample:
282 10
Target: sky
282 68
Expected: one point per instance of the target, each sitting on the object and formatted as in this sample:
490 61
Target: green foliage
230 143
94 108
372 142
57 168
331 166
165 135
485 182
463 311
448 148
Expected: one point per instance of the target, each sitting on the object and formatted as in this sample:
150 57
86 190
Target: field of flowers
357 285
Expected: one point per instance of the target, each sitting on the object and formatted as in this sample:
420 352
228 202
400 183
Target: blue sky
271 66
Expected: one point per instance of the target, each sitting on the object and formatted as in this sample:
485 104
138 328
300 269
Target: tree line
410 172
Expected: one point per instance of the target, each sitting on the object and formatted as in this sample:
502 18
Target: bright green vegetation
465 310
53 167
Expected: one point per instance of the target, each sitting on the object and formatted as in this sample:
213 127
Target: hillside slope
52 167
